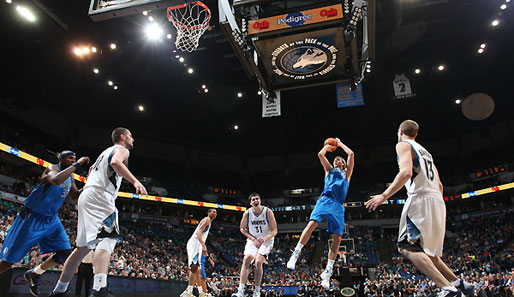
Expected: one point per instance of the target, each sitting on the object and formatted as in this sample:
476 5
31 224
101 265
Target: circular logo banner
304 59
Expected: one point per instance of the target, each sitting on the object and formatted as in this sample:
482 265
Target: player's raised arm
403 150
350 161
323 159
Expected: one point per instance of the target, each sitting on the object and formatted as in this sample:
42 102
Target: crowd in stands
479 249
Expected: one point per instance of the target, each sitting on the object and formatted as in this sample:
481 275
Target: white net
190 20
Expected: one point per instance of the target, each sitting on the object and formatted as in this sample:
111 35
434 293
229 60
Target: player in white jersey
195 248
97 226
260 227
423 219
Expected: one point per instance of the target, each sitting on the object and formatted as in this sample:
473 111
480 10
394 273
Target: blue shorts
34 229
332 211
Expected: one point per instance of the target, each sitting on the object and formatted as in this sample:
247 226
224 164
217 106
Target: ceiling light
115 87
457 101
190 70
503 6
77 51
206 90
480 50
204 86
482 45
236 127
507 1
495 23
181 59
259 93
85 50
141 108
96 70
26 13
8 1
110 83
113 45
150 18
153 31
239 94
145 13
368 70
168 36
417 71
368 66
177 56
93 49
440 67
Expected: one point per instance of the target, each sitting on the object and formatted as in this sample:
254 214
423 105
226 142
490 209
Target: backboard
107 9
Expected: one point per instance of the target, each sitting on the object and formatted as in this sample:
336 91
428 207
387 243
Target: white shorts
423 224
264 249
194 252
97 217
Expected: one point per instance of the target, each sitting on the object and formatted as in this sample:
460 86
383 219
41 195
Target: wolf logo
312 56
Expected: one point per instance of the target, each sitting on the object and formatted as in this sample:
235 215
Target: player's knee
61 256
106 244
194 268
247 260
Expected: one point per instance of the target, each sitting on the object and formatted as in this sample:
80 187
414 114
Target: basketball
331 141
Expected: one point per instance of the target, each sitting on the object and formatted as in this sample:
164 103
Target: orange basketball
331 141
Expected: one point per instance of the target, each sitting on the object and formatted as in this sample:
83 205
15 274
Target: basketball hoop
190 20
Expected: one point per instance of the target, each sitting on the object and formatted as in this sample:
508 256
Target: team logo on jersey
304 59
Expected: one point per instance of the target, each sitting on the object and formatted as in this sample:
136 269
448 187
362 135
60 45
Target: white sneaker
325 279
465 287
184 294
238 294
448 293
292 261
256 294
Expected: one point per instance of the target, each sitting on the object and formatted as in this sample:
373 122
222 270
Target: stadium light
153 31
26 13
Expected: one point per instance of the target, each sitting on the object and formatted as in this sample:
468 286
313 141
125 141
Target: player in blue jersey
38 222
329 207
202 282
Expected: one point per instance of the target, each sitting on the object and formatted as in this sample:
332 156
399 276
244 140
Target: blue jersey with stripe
336 185
46 199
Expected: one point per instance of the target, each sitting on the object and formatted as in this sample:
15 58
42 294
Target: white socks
99 281
38 270
200 289
190 289
330 265
241 288
61 287
257 288
298 248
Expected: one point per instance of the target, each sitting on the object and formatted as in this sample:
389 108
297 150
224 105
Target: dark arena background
247 109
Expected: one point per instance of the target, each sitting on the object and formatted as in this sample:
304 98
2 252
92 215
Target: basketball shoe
448 293
291 264
32 278
465 287
325 278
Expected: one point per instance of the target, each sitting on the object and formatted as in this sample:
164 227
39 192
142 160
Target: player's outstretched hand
339 142
83 160
140 189
375 201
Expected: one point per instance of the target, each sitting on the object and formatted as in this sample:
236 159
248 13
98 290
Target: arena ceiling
42 72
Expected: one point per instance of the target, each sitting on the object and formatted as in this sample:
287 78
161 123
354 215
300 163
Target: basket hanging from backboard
190 20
